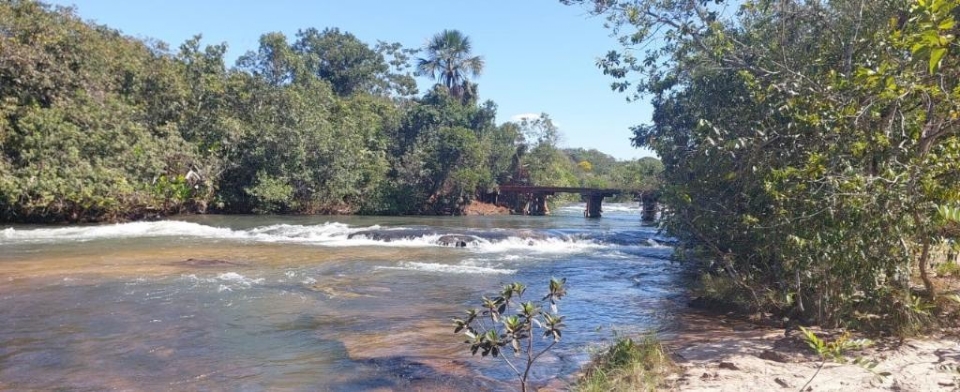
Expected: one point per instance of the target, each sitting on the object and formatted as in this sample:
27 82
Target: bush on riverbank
807 147
627 365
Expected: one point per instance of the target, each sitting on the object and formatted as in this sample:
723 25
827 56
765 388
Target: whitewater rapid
331 234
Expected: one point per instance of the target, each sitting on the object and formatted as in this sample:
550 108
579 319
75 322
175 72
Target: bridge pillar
648 206
649 212
594 202
539 205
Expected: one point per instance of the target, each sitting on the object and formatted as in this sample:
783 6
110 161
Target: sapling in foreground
505 321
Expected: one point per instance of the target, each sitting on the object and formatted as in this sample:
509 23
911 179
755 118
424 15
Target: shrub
492 329
628 366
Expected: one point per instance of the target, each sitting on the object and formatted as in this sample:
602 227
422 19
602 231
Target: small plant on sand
835 350
948 268
493 328
954 298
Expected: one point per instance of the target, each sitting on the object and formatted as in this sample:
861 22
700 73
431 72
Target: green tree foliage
348 64
95 125
643 174
546 162
813 182
445 149
505 153
86 132
606 171
449 60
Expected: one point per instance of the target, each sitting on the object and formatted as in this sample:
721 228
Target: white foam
409 242
539 245
332 234
651 244
617 255
608 208
236 278
121 230
326 232
450 269
227 281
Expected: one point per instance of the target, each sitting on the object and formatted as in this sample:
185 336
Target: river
311 302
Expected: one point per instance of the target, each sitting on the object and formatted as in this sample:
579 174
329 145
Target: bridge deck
593 197
559 189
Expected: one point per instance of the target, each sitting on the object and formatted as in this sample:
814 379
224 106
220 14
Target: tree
546 164
348 64
88 125
812 184
642 174
440 155
505 150
95 125
449 60
275 61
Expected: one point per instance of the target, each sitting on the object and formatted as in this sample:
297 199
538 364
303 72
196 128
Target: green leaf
935 56
947 24
949 214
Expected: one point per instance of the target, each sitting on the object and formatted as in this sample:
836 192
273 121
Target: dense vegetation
95 125
809 147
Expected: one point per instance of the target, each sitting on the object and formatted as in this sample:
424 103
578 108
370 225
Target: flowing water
311 303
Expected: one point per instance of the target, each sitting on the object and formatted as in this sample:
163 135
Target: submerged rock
457 240
205 263
333 292
381 235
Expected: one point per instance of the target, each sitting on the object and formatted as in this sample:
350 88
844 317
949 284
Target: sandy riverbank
715 354
478 208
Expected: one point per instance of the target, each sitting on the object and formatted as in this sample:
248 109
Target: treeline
95 125
545 164
810 147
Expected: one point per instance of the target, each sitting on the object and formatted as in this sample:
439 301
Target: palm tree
449 61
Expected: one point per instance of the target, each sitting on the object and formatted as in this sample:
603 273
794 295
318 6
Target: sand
722 355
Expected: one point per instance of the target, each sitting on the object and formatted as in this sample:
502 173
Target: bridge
593 196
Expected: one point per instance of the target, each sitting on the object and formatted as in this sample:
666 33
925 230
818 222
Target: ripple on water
448 268
304 312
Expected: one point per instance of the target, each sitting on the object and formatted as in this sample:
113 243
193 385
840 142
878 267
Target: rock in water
457 240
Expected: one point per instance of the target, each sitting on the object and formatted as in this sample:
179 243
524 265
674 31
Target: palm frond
448 60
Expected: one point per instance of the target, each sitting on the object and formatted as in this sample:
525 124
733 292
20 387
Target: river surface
312 303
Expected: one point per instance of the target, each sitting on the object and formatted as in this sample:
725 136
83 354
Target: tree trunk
924 275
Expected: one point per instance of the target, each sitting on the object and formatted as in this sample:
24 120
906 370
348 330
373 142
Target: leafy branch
492 328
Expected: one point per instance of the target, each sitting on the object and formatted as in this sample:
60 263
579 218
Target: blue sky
540 55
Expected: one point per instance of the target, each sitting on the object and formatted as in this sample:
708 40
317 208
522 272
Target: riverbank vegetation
628 365
95 125
808 148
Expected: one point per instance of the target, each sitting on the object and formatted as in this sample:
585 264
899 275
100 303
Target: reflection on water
353 303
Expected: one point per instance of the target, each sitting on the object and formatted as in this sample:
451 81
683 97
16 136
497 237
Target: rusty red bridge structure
593 197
